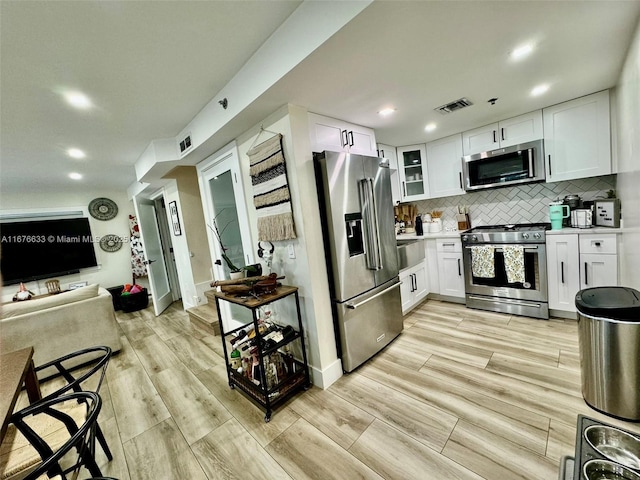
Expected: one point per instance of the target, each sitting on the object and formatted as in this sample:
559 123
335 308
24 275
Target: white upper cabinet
412 167
512 131
444 166
577 138
389 152
328 133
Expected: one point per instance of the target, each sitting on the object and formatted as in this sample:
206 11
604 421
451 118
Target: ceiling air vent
453 106
185 144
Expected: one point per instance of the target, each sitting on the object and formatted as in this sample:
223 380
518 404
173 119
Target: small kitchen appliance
572 201
557 213
582 218
495 291
503 167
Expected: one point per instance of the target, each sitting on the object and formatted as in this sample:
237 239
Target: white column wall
628 152
307 271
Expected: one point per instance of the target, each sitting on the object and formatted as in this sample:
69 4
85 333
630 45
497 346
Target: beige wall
627 142
194 223
190 249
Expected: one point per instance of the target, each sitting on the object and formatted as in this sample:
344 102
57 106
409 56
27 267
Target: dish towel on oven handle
514 263
483 261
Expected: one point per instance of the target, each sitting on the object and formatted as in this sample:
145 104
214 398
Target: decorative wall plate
110 243
103 208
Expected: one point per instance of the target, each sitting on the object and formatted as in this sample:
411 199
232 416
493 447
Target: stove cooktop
518 233
518 227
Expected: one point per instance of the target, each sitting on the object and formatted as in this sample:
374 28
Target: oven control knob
465 238
536 235
474 238
525 235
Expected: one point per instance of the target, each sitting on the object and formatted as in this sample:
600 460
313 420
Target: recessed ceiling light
430 127
77 99
75 176
539 90
522 51
75 153
385 112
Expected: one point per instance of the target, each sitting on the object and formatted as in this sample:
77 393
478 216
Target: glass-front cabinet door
412 166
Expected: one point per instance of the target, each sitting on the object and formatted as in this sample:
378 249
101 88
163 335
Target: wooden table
16 369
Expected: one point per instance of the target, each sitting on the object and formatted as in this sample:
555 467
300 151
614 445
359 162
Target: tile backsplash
522 204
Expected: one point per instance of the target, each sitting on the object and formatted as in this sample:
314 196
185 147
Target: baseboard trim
563 314
446 298
325 378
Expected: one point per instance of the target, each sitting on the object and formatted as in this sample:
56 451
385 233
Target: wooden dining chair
83 370
44 441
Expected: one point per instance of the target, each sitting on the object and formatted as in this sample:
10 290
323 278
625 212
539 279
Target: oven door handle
511 301
499 249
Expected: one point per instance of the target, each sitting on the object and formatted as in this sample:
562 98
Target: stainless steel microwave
504 167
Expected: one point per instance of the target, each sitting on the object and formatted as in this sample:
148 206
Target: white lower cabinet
598 270
414 286
563 271
598 260
450 267
579 261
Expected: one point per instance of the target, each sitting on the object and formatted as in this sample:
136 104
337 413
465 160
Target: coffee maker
573 202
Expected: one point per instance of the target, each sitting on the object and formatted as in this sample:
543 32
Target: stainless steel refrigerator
360 247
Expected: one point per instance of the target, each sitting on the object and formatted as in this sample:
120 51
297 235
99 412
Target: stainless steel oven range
506 269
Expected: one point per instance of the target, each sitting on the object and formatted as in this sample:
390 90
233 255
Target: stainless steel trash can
609 337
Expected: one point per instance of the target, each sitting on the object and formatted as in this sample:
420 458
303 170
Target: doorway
224 205
156 240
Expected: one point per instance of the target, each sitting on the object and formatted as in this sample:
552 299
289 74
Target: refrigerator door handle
370 217
353 306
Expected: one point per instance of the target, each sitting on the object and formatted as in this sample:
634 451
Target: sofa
56 325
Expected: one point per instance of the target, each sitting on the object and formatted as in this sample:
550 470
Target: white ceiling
151 66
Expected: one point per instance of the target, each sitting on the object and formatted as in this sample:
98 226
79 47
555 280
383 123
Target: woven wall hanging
271 195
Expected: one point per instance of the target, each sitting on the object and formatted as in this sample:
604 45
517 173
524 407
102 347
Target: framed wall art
175 220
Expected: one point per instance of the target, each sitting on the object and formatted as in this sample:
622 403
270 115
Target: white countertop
428 236
566 230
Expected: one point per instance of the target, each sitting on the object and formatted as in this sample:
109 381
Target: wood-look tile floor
460 394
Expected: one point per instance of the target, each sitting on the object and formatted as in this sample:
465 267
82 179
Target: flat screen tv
32 250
